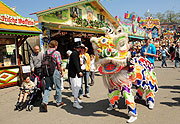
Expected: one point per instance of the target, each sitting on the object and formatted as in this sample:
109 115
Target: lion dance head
111 51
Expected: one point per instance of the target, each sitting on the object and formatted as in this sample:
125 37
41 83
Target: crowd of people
161 53
81 67
48 65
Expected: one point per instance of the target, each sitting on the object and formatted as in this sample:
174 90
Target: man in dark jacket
74 72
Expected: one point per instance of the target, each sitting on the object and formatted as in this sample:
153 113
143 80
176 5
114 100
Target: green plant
85 23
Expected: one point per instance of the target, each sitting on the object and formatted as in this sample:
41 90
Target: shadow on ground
177 99
140 101
97 109
171 104
170 87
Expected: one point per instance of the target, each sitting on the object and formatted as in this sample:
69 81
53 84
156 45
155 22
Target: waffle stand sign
16 20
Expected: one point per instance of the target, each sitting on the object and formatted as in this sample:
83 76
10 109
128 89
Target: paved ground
166 111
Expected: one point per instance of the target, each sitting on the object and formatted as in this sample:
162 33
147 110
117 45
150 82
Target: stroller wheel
20 108
30 107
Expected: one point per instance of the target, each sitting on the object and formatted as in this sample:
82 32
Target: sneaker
110 107
151 105
43 107
62 103
17 106
80 97
69 88
76 105
80 101
87 95
131 119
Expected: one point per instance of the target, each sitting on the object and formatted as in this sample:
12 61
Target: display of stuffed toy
120 71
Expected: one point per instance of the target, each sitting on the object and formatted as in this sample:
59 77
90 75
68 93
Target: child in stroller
29 93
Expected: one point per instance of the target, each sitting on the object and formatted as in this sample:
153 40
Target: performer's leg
150 98
113 97
139 93
129 99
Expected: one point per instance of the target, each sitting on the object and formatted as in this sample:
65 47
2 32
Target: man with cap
75 74
149 51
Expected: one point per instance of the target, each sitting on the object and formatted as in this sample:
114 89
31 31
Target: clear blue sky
115 7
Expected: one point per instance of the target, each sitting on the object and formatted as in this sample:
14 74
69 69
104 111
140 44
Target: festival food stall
136 34
169 37
153 25
14 30
82 19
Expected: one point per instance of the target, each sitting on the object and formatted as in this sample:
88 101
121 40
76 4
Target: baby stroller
39 82
35 95
29 101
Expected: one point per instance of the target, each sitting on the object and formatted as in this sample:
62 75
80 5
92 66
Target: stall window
8 54
101 18
75 12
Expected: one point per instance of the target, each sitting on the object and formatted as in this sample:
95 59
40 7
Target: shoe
110 108
151 105
131 119
43 107
69 88
62 103
91 84
22 105
87 95
77 105
80 97
80 101
16 106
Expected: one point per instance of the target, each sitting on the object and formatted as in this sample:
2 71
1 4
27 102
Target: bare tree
160 16
171 16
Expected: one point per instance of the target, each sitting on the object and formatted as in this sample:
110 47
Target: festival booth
136 33
168 37
14 30
152 25
82 19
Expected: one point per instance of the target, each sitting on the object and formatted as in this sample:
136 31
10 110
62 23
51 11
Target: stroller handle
34 88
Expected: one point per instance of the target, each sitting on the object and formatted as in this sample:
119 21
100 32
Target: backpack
48 65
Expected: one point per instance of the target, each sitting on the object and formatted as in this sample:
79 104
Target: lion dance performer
119 71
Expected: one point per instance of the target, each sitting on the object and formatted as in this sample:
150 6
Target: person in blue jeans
55 79
164 53
177 54
149 51
85 67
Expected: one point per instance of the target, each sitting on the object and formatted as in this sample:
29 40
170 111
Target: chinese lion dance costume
120 71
